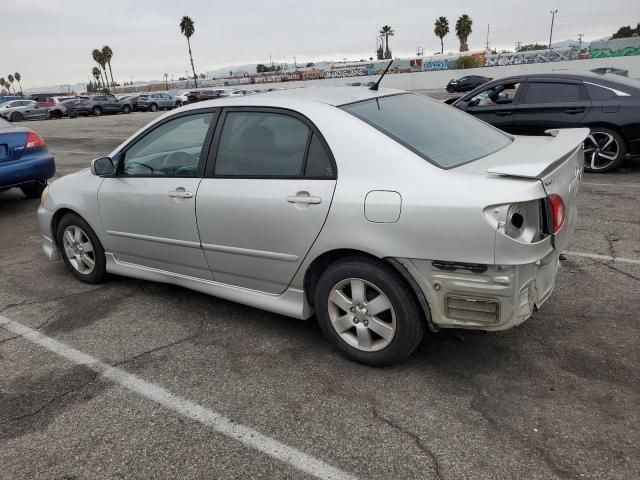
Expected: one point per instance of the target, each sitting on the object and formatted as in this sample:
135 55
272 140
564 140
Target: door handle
180 193
503 114
304 199
573 111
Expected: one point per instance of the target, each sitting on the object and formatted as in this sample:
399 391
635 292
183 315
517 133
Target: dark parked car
609 105
201 95
158 101
466 84
25 161
99 104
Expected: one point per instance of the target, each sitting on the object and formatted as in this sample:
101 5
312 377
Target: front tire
153 107
80 249
16 117
97 111
34 189
126 109
366 310
604 150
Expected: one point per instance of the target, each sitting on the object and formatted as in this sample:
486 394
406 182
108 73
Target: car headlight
44 195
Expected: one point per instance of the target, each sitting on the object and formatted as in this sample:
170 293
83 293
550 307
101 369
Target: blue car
25 161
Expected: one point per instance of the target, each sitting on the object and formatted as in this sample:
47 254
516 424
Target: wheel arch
320 264
57 216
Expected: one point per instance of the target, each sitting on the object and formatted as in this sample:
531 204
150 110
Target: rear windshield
437 132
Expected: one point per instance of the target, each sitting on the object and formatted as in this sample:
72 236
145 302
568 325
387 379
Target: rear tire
34 189
72 113
80 249
604 150
97 111
55 115
16 117
153 107
367 310
126 109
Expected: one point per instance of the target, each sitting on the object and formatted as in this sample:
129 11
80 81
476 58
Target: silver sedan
18 110
383 212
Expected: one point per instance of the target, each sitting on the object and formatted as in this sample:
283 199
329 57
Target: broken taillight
557 211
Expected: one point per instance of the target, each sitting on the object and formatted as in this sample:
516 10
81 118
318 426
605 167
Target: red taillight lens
34 141
557 210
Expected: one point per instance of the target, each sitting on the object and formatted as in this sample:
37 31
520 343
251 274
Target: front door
495 105
264 200
550 104
148 210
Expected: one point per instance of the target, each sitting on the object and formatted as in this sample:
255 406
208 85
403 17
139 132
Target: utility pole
487 37
580 35
553 16
518 46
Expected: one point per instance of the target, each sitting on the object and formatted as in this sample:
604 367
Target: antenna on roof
375 86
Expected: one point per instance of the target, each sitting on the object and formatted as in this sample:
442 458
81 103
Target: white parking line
605 257
219 423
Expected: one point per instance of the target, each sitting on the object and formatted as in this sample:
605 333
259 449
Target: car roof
335 96
606 79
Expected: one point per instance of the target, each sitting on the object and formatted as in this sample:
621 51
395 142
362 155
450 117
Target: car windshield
437 132
4 104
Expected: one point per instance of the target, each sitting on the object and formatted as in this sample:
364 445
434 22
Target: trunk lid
556 160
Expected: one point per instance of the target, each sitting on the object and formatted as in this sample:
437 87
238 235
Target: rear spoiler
539 163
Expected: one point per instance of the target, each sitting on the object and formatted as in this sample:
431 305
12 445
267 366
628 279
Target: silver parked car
384 212
18 110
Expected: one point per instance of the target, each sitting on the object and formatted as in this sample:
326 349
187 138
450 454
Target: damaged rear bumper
498 298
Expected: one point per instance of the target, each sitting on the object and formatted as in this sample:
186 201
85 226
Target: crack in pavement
55 399
609 265
416 439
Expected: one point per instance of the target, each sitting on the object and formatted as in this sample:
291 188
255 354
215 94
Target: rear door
111 104
547 104
496 104
265 197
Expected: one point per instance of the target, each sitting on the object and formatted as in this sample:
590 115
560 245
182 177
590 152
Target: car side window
171 150
318 161
597 92
546 92
261 144
497 95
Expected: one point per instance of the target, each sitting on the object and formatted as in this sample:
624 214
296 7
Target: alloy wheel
79 249
362 314
600 150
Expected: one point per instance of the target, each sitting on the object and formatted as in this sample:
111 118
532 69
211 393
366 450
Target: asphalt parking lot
557 397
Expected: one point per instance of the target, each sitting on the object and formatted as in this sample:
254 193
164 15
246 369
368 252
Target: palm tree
463 30
386 31
107 54
166 80
11 80
99 59
3 83
187 28
18 77
441 30
95 71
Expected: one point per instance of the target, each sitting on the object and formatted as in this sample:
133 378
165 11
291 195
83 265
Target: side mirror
102 167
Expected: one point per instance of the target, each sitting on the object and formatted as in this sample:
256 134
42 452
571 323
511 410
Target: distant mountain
575 43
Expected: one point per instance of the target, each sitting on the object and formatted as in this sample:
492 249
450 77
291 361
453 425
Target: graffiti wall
618 47
535 56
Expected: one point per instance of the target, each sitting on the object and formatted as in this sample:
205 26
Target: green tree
18 77
532 46
107 55
97 74
11 80
625 32
463 30
441 29
187 28
386 31
99 59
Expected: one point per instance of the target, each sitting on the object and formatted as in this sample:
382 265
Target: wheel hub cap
78 249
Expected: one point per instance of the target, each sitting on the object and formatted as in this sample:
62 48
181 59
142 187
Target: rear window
546 92
437 132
